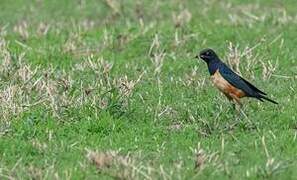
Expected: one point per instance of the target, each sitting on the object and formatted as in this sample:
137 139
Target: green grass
119 79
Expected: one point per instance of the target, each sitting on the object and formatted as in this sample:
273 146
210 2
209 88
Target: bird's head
207 55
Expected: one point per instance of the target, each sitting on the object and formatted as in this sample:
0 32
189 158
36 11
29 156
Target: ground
111 89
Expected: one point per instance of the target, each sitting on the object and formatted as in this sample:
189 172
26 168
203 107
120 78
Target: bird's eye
207 53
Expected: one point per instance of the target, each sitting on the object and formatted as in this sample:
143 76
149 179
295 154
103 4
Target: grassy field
110 89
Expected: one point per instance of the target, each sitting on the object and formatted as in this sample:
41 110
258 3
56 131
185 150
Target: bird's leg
240 112
233 105
231 100
236 101
237 105
237 109
251 122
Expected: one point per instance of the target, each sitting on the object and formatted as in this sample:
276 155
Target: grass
110 90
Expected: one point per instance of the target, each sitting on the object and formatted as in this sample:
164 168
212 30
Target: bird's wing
254 87
237 81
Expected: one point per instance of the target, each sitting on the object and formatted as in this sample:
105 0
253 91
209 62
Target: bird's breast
224 86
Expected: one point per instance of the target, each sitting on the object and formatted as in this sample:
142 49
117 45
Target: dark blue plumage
238 81
216 65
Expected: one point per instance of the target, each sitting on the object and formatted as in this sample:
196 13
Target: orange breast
225 87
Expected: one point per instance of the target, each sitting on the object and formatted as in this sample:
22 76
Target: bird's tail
267 99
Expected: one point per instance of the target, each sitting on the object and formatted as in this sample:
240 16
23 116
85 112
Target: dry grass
249 61
113 164
25 86
182 18
205 160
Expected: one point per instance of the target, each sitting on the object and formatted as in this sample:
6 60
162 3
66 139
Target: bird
232 85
